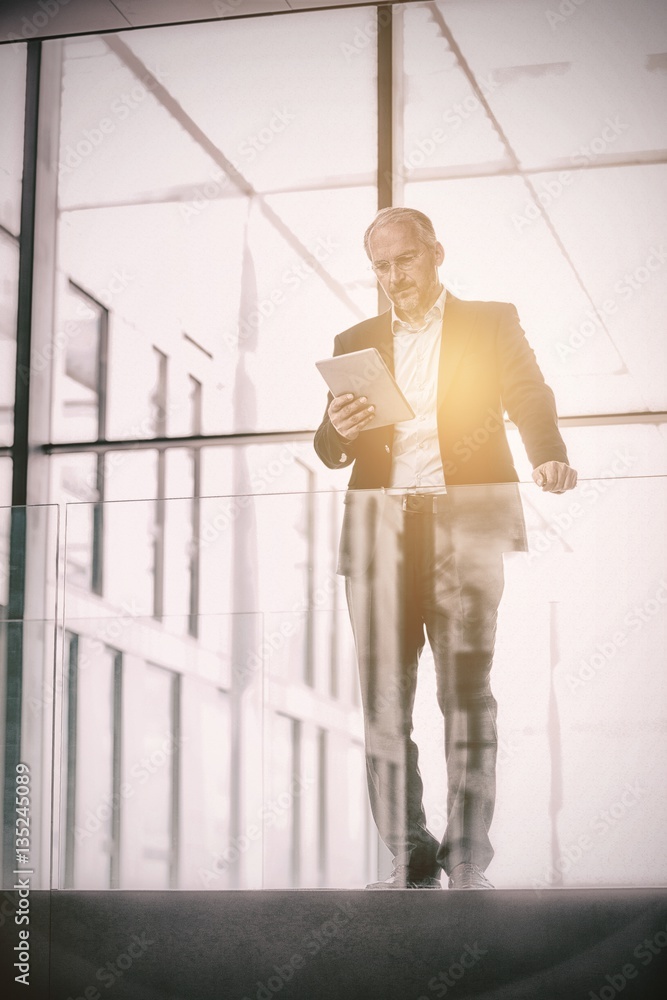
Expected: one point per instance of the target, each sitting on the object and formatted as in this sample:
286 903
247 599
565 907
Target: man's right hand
349 415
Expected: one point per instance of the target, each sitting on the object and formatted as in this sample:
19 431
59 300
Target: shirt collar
399 326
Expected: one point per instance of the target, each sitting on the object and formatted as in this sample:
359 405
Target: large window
239 253
81 408
80 415
203 193
539 152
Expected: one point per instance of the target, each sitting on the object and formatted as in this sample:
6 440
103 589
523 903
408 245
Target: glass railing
186 672
30 670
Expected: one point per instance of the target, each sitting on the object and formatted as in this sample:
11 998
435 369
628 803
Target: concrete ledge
336 945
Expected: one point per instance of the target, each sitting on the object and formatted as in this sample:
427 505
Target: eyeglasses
403 263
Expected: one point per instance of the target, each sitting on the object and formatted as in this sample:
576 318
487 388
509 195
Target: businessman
430 508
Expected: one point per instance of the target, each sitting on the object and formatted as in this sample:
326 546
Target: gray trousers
422 578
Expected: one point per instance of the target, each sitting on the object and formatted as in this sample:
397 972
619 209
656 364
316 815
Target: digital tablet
364 373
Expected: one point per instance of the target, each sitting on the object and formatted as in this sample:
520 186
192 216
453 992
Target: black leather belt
423 503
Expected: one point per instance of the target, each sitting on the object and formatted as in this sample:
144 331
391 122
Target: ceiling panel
23 19
144 12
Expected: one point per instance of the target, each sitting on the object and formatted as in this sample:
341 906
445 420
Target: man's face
412 291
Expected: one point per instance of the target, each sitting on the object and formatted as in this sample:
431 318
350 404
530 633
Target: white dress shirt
416 461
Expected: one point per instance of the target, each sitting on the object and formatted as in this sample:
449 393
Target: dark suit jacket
486 368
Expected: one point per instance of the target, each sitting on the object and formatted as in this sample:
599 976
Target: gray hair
387 216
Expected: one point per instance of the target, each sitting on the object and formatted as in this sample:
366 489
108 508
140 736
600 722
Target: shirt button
386 448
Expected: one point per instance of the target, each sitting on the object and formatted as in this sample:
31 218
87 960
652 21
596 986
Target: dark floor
336 945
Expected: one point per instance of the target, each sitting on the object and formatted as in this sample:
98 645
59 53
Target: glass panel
107 112
592 72
583 358
164 771
29 541
27 666
9 272
284 296
158 396
282 821
131 529
188 263
181 564
613 356
318 824
215 732
583 609
593 627
92 786
154 842
444 124
523 211
76 478
12 88
175 276
81 388
606 451
5 527
197 615
287 70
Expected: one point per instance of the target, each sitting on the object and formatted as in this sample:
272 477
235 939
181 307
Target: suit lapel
381 337
457 325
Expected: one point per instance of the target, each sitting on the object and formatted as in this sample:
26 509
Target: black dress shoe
401 878
468 876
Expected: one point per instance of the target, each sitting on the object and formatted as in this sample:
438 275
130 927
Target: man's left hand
555 477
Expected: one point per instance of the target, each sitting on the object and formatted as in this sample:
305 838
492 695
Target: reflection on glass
545 61
200 296
131 531
360 831
5 528
189 263
158 395
77 477
472 159
196 412
282 819
9 267
83 386
157 774
216 748
583 614
181 574
92 784
444 122
12 88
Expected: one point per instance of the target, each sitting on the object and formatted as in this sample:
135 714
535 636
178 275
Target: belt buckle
420 503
